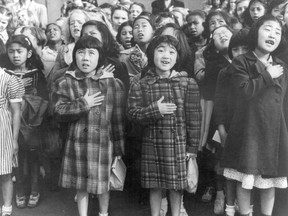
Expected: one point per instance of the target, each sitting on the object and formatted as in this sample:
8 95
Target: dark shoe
21 201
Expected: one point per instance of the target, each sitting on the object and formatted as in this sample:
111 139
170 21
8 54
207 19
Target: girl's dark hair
254 31
223 14
156 41
31 63
248 21
109 43
201 14
239 38
139 4
90 43
127 23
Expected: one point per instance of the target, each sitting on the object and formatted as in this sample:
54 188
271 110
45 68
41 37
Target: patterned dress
12 89
166 139
95 135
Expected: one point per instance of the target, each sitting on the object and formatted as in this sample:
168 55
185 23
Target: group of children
117 81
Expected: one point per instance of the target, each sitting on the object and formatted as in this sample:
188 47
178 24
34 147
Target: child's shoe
6 211
21 201
33 200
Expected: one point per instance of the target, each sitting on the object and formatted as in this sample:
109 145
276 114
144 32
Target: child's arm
193 116
138 111
118 117
16 117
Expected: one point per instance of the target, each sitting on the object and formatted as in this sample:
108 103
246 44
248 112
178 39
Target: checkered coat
95 135
166 139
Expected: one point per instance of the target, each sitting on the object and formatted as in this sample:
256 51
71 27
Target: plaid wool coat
95 135
166 139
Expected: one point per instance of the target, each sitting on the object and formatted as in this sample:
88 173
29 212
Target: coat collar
78 75
250 56
152 77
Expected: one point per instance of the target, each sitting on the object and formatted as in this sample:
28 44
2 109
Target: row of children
88 85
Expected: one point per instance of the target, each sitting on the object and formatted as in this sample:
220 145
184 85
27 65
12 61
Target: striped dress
12 89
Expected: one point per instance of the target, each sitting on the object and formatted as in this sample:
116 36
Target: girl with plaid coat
92 103
167 104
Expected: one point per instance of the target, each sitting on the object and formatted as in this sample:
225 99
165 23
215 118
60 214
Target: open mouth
165 62
140 35
271 42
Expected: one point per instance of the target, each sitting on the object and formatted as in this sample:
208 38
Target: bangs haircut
89 42
20 39
167 39
239 38
254 31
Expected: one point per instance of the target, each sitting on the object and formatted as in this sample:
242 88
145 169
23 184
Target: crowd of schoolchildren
154 88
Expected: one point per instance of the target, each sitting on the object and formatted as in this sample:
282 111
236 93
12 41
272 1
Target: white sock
230 210
6 209
103 214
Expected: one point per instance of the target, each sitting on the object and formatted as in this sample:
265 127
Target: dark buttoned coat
257 142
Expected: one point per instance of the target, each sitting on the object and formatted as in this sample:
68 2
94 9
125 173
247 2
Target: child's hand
15 147
275 71
166 108
93 100
108 71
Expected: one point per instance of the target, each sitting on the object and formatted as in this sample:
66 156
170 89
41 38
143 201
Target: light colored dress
12 89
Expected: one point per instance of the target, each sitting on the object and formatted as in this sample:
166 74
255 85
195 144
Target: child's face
18 55
239 50
221 37
4 20
215 22
241 7
216 3
76 21
135 10
53 33
23 18
126 36
256 10
165 57
92 30
195 25
269 36
142 31
87 60
118 17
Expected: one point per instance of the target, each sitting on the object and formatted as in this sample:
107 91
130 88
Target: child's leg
104 202
267 200
155 201
243 197
20 173
175 197
230 197
82 202
34 171
219 203
7 189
